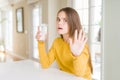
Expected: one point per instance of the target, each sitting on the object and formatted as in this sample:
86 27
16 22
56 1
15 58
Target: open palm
77 45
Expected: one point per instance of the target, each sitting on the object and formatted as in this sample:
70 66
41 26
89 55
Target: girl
70 51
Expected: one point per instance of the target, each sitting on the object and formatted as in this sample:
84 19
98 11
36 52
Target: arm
80 62
46 59
80 53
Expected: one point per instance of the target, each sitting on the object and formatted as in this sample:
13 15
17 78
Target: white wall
53 7
19 39
52 10
111 22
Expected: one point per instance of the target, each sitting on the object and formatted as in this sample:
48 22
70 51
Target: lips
60 28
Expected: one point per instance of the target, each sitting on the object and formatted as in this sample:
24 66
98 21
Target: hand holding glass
41 32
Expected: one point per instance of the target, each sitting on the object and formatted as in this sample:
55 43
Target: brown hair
73 20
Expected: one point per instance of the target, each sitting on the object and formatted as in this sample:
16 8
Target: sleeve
46 59
80 62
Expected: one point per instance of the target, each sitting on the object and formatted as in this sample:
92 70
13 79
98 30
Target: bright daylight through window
90 12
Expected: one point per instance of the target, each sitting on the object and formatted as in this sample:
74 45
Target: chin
59 32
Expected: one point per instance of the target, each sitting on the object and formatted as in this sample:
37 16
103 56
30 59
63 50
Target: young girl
70 51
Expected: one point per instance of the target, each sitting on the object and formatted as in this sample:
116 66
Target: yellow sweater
60 51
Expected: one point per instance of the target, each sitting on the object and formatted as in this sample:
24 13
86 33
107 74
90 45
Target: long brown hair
73 20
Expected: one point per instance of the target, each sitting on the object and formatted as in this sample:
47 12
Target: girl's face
62 23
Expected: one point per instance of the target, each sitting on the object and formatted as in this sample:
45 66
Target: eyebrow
61 18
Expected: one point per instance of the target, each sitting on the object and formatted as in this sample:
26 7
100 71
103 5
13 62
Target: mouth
60 28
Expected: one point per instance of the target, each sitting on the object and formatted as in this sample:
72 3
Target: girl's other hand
78 44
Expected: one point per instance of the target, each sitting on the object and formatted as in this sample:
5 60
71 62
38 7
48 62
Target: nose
60 22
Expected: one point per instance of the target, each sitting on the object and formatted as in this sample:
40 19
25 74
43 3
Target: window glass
90 15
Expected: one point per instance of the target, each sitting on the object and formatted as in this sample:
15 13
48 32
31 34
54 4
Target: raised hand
77 44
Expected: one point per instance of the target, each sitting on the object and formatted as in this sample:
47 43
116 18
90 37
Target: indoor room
20 21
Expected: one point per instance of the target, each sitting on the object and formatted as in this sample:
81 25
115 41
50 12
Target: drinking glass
43 31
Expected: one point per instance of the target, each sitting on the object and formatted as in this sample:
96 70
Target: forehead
62 14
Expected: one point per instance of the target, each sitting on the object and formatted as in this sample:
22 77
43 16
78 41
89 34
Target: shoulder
57 43
58 39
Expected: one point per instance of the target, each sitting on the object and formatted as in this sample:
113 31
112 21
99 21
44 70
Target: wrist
77 53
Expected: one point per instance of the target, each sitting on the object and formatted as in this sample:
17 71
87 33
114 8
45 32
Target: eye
65 20
58 19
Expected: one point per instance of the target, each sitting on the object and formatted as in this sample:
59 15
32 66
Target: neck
66 38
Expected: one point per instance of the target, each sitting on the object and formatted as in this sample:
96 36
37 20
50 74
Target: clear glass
43 31
0 28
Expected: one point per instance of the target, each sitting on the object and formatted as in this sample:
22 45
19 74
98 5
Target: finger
83 37
75 35
80 35
38 29
70 41
37 37
85 40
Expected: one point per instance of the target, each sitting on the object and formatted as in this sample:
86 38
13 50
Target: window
9 31
0 28
6 29
36 20
90 16
35 24
82 8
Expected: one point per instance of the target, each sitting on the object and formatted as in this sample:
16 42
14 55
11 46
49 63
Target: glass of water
43 31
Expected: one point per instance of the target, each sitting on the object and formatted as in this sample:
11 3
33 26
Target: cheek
67 29
56 26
